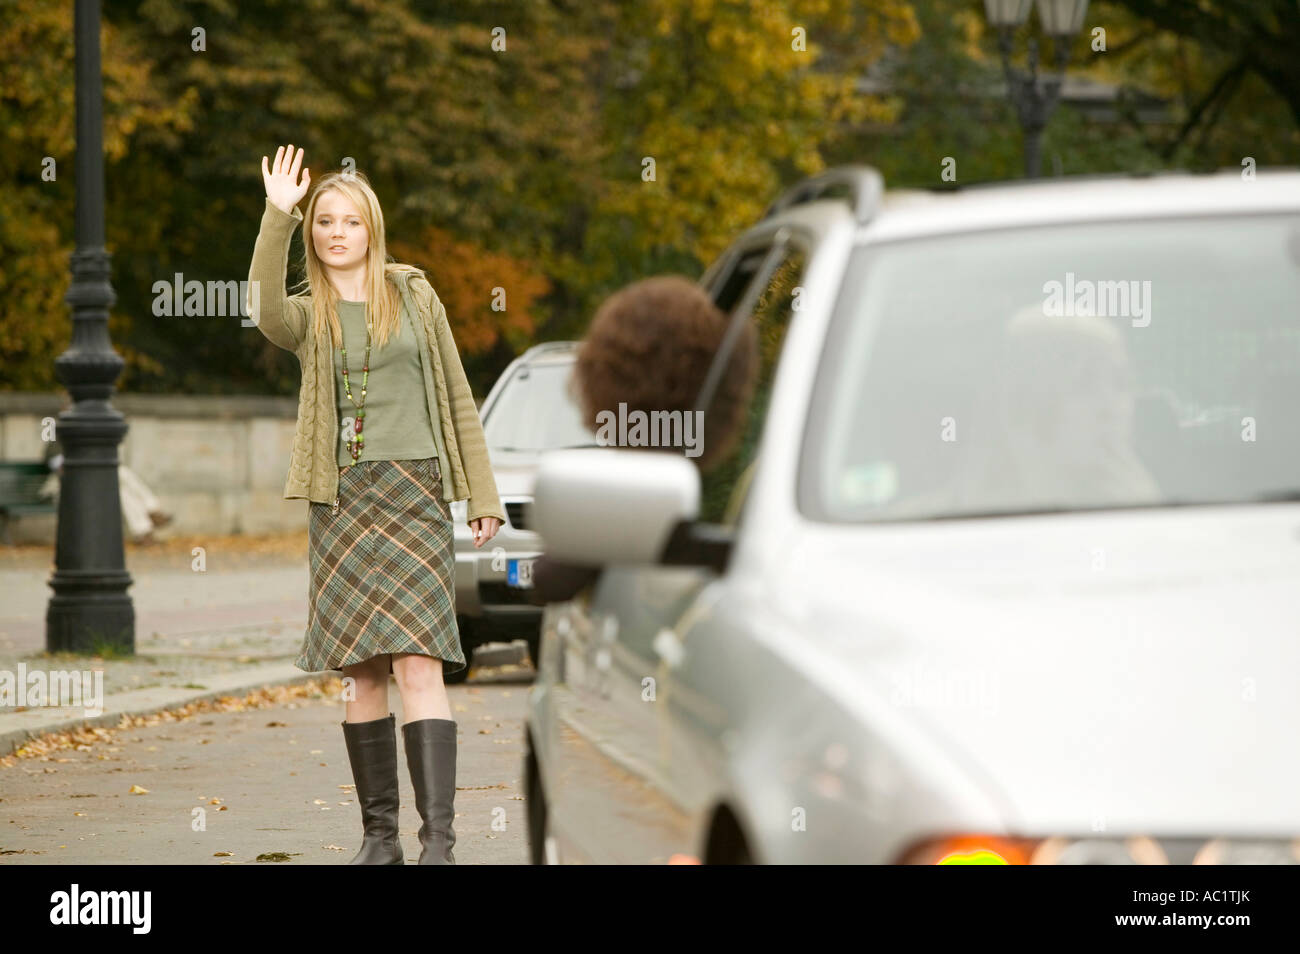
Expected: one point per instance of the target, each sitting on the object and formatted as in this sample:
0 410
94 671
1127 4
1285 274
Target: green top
398 423
286 321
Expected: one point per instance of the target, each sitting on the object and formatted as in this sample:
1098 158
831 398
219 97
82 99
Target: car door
618 798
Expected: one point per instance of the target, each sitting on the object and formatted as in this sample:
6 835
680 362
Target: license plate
519 574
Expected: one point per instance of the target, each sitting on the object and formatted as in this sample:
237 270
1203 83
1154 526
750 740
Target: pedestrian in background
141 508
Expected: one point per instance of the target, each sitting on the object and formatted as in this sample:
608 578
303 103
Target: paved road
169 595
278 773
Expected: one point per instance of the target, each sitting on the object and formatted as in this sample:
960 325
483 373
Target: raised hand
282 185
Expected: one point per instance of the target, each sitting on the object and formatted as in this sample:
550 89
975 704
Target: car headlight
976 849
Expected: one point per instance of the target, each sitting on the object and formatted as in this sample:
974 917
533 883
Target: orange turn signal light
971 850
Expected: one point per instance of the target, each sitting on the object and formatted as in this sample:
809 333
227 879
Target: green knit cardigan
286 322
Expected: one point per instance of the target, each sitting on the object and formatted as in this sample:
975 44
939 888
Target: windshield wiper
540 450
1286 495
1276 496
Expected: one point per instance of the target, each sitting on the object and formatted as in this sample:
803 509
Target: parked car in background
528 411
1007 568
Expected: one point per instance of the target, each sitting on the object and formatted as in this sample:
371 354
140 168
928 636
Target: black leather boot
372 750
431 757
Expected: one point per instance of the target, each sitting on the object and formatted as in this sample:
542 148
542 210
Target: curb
493 653
34 722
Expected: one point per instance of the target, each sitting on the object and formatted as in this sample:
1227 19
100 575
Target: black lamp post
90 610
1034 104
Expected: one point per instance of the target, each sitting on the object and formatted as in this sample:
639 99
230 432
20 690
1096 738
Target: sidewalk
256 782
226 626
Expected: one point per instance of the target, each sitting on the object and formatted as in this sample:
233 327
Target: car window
534 411
1060 368
723 486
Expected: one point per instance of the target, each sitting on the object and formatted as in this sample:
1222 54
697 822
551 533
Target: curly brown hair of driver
650 346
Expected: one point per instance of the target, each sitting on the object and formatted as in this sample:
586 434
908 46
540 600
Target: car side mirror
608 506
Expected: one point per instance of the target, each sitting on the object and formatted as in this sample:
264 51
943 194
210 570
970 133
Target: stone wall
217 463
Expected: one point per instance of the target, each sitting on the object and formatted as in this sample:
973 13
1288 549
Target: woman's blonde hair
383 300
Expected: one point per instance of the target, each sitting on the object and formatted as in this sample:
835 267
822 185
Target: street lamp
1061 20
90 608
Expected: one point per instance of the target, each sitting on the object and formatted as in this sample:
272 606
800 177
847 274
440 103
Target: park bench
20 492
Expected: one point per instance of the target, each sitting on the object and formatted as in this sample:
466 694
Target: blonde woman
387 436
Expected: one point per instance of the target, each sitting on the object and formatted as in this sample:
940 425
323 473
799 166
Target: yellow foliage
467 277
723 102
38 120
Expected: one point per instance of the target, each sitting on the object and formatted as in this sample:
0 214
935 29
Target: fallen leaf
45 745
139 790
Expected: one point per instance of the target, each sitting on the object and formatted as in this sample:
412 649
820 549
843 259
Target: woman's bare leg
419 680
371 687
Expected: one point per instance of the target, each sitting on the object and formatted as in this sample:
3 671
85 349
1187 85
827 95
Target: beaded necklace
355 447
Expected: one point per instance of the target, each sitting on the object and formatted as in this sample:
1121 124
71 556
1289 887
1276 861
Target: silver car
1006 568
528 411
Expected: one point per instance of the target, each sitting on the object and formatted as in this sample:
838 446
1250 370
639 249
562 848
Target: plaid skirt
382 569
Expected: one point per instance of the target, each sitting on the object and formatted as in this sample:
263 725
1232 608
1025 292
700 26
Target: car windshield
1063 368
534 412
